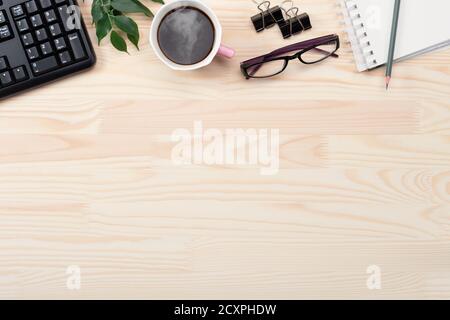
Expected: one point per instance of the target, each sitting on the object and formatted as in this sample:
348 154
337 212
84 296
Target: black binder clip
294 23
268 16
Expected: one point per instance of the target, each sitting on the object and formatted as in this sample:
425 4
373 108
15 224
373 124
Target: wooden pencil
390 60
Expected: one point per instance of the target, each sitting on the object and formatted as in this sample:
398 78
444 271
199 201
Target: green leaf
134 40
97 11
131 6
118 42
128 26
103 27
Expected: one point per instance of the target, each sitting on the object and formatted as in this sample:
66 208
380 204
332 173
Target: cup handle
226 52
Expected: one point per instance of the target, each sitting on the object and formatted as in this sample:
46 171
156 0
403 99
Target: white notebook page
424 25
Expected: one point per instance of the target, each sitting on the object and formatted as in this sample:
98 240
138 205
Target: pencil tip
388 79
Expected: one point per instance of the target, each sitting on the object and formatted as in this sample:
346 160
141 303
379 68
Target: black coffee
186 35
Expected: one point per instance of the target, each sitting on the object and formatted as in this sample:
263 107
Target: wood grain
87 177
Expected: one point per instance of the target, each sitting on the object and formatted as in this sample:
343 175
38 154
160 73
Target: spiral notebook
424 26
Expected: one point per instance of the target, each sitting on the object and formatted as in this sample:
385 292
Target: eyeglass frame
303 47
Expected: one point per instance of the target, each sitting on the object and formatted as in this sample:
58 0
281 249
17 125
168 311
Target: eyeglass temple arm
334 55
298 46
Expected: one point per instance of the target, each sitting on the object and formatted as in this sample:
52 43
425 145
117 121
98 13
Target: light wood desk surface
86 177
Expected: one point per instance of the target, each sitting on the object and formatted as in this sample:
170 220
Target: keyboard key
5 78
17 11
31 7
3 63
32 53
77 47
5 33
46 48
65 17
64 57
2 17
36 21
27 39
50 16
41 35
55 30
20 73
22 25
44 65
59 1
45 3
60 44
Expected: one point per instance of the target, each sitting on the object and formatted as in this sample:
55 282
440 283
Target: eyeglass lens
267 69
319 53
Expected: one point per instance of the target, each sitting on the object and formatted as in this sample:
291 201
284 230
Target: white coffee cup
217 50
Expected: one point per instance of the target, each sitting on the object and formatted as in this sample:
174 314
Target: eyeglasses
309 52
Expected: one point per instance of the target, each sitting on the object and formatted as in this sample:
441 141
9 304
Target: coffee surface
186 35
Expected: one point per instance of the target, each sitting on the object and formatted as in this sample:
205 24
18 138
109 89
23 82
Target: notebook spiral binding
357 35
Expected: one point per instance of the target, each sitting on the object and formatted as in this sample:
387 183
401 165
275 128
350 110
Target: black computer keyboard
40 41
